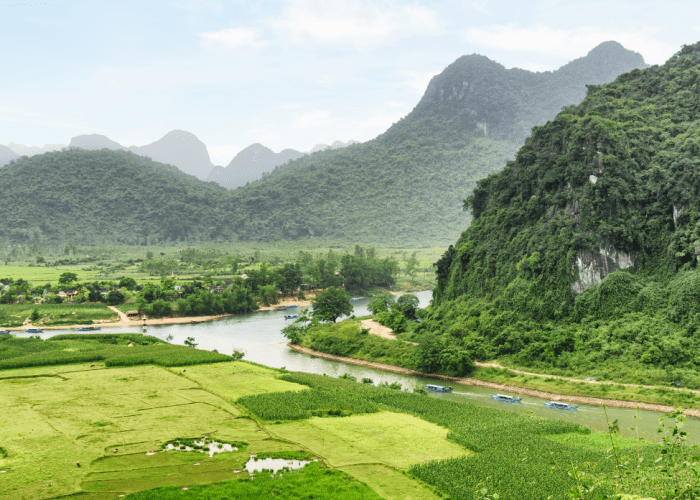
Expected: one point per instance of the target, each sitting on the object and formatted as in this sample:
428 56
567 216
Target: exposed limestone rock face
594 266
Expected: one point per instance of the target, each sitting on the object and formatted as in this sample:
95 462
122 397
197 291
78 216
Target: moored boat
506 398
438 388
89 329
355 299
291 307
34 330
4 332
292 316
560 406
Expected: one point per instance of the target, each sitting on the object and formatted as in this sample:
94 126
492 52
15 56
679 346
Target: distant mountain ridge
6 155
405 187
255 161
178 147
22 150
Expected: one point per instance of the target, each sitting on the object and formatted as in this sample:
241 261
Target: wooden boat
280 308
89 329
560 406
4 332
34 330
438 388
292 316
291 307
355 299
506 398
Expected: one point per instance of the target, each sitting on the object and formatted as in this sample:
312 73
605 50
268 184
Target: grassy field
115 421
63 415
55 314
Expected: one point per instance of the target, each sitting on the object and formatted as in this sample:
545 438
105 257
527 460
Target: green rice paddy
90 431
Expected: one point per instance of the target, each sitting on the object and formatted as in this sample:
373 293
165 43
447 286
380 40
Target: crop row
299 405
514 457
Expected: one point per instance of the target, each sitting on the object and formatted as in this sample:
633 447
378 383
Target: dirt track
612 403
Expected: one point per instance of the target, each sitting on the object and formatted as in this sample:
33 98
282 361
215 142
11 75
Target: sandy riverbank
612 403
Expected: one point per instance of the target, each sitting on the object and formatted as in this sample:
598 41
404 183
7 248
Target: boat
280 308
292 316
506 398
89 329
438 388
291 307
4 332
355 299
34 330
560 406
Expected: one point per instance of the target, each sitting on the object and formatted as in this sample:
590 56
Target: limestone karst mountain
93 142
250 164
6 155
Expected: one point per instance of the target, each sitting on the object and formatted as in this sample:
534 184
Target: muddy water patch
273 465
203 445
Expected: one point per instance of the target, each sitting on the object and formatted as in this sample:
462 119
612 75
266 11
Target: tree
189 342
407 304
412 265
67 278
383 302
331 304
115 297
128 283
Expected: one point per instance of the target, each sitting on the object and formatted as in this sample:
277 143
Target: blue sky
287 74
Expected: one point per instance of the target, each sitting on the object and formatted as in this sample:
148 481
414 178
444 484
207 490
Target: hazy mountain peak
94 141
6 155
23 150
182 149
505 103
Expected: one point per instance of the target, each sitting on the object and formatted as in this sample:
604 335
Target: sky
288 73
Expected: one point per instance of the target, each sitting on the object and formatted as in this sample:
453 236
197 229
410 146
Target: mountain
583 251
6 155
22 150
94 141
250 164
181 149
89 197
404 188
479 93
256 160
407 185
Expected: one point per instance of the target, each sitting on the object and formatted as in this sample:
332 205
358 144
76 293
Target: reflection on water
258 336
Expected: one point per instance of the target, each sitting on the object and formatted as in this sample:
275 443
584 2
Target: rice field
13 315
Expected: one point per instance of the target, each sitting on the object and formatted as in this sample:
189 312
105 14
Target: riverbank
613 403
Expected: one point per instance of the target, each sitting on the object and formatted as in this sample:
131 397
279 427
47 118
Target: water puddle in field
202 446
274 464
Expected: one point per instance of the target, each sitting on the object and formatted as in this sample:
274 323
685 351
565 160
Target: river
258 336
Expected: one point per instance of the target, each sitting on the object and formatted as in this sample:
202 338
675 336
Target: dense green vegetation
517 456
617 174
113 349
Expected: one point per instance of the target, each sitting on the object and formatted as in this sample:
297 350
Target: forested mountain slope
95 196
585 248
407 185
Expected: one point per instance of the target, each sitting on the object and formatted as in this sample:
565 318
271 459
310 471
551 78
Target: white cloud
361 24
568 43
234 38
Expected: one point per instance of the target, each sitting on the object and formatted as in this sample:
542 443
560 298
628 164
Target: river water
258 336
